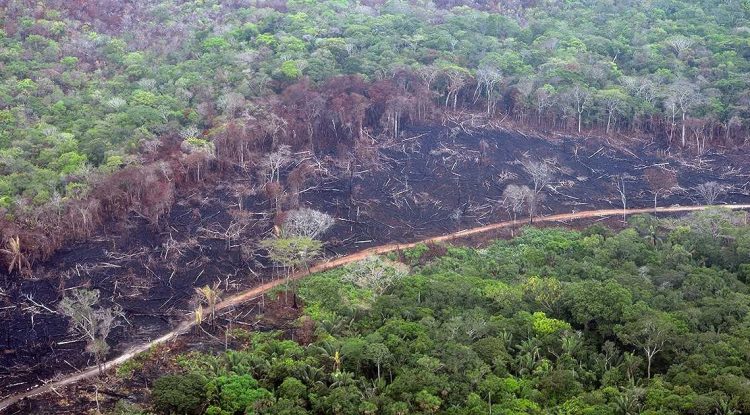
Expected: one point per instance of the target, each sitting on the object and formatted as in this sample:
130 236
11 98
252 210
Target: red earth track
257 291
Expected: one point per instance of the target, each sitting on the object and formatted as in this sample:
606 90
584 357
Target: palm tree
341 379
312 376
628 402
198 315
507 338
332 353
632 363
570 343
725 407
210 295
238 363
17 259
530 346
525 364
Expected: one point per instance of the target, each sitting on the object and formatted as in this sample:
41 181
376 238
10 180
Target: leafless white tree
33 307
189 132
680 44
489 77
684 96
231 234
514 199
641 87
457 78
541 173
579 98
613 105
276 161
619 182
306 222
231 103
273 125
710 191
429 74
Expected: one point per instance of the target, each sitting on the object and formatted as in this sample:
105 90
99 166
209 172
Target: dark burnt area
430 182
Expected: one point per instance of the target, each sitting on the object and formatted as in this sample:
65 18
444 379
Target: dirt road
257 291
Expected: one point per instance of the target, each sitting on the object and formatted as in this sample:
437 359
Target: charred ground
429 182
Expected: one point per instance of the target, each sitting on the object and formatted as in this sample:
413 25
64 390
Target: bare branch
710 191
306 222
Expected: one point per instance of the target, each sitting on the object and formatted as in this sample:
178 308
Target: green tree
378 353
179 394
596 303
651 333
292 252
233 394
427 402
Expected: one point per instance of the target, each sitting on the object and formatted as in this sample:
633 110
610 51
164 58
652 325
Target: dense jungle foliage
89 86
649 320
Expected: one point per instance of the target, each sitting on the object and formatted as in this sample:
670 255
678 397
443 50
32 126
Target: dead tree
579 98
241 191
710 191
17 260
619 182
488 77
661 181
428 74
533 200
91 322
541 173
275 194
272 125
33 307
680 44
306 222
457 78
277 161
684 96
514 199
230 234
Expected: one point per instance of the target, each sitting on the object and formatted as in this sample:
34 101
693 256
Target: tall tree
579 97
683 95
489 77
613 100
651 333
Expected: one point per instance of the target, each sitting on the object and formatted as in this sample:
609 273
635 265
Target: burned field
429 182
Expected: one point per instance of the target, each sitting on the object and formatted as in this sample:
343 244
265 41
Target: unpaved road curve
257 291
